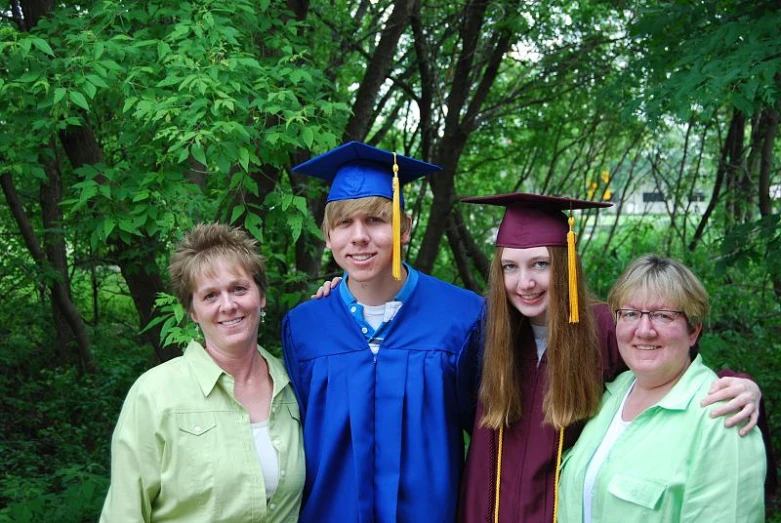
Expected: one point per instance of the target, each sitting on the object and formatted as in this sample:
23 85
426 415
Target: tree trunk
57 288
54 258
768 126
136 262
33 11
730 152
54 246
377 71
459 124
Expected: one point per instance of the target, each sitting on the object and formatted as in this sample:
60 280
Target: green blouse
183 450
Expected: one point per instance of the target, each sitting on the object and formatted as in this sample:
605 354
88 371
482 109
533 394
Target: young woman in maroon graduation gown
543 373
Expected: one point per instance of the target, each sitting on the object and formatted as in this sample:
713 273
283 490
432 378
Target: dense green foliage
124 123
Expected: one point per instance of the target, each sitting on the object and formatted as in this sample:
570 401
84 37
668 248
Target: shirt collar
682 393
402 296
207 372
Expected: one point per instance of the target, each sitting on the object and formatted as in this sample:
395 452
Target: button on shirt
183 450
374 334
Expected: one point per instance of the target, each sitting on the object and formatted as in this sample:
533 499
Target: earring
262 316
198 330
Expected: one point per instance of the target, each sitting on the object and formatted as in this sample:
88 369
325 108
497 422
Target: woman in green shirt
652 454
213 435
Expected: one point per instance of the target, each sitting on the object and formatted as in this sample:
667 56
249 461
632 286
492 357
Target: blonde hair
371 205
574 366
669 279
199 250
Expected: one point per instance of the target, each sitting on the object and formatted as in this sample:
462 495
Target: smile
361 257
233 322
530 297
646 347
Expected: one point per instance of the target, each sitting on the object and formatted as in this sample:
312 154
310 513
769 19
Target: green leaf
97 80
244 158
197 151
42 45
29 77
140 196
162 50
253 224
78 99
169 80
129 103
59 94
89 89
237 212
108 226
295 223
307 136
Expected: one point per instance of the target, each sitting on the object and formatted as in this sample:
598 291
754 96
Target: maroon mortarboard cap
533 220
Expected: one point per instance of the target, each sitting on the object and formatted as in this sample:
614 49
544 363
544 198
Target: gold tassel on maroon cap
572 265
396 222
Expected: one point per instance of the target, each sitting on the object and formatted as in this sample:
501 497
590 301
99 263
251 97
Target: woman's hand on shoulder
325 289
742 397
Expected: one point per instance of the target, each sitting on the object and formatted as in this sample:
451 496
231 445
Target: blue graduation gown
383 434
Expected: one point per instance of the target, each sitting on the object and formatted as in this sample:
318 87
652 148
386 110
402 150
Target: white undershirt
376 315
614 431
540 339
268 457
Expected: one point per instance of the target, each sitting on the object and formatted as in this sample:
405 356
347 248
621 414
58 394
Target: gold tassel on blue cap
396 222
572 266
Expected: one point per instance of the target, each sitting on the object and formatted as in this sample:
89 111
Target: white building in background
647 199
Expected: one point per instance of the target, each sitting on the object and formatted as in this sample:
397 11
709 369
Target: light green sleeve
726 478
136 457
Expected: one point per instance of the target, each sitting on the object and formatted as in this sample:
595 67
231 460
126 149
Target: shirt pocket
195 423
294 412
638 491
194 451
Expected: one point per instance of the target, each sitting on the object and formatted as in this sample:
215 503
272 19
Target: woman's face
226 305
526 279
656 351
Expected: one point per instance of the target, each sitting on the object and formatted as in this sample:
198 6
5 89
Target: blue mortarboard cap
357 170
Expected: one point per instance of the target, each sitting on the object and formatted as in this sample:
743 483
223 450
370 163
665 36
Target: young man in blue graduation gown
385 368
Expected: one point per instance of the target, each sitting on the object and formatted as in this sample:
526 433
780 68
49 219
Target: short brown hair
202 246
372 205
671 280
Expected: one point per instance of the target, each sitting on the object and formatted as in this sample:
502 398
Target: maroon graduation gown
529 447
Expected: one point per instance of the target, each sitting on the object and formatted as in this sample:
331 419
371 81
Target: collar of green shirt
207 372
682 393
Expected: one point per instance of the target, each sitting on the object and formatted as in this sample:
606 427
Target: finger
721 395
733 405
718 384
751 423
740 416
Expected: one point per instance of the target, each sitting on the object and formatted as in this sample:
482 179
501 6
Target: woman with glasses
651 453
548 351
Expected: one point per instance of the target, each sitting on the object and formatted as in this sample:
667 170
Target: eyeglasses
633 316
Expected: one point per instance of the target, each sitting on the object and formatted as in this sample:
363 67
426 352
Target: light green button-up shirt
183 450
673 463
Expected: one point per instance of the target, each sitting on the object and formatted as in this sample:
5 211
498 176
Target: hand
742 398
325 289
